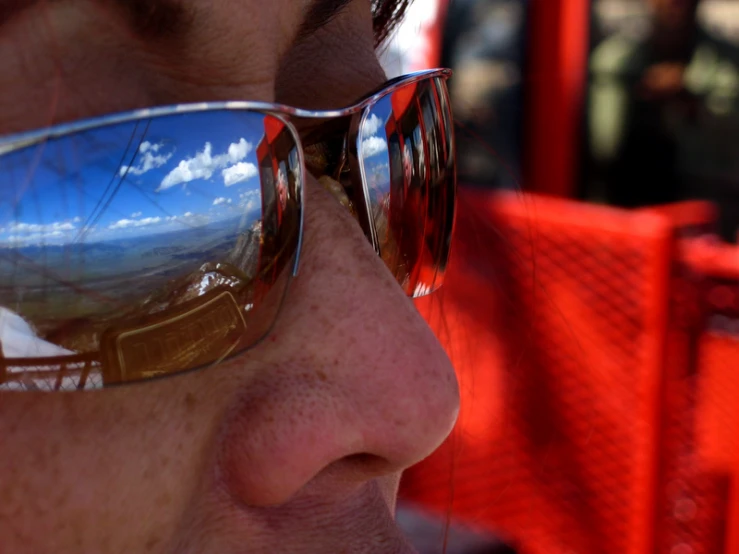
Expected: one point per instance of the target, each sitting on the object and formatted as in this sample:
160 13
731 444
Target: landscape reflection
144 248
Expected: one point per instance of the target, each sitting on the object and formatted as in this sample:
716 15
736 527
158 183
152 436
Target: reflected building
279 170
197 321
419 184
198 332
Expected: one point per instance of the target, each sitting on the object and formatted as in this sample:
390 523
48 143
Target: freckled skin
296 446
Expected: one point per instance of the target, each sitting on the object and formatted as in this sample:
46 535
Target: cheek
132 457
334 240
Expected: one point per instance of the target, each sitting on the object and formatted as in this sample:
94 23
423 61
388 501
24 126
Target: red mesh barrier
690 218
692 496
715 268
701 461
556 447
596 354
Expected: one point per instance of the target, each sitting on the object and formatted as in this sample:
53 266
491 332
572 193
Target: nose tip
280 439
420 408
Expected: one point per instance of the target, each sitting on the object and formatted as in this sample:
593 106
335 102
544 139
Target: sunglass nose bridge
338 191
331 163
341 171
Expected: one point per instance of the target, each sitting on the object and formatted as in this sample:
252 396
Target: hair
386 14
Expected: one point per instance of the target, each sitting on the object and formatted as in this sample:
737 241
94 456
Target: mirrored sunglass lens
406 151
144 248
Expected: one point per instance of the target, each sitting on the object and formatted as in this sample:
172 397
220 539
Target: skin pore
296 446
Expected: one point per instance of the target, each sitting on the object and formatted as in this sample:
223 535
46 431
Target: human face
295 446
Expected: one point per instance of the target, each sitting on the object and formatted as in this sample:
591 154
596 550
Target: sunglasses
158 241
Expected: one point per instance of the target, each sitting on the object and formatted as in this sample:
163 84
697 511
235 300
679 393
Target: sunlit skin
296 446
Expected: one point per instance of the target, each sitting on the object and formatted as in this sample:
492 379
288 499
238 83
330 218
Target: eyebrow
320 14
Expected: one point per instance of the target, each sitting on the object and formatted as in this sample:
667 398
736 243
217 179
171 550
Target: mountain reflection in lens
406 152
144 248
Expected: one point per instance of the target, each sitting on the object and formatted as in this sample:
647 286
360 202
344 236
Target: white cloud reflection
372 146
57 226
161 223
204 164
238 173
371 125
148 159
126 223
19 233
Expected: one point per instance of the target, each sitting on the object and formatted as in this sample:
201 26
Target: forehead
163 18
142 53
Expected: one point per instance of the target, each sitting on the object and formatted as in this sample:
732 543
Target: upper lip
311 523
360 523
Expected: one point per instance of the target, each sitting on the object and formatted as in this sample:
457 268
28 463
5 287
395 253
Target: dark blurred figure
484 43
663 122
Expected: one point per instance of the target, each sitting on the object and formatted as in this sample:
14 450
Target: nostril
359 467
367 461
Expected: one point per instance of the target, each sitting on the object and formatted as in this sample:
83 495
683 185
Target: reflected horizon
146 247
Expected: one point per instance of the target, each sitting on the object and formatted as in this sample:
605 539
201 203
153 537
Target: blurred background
652 91
592 304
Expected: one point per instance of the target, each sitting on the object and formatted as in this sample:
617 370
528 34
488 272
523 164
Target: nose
352 383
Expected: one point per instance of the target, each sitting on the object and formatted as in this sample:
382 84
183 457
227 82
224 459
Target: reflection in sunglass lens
144 248
406 153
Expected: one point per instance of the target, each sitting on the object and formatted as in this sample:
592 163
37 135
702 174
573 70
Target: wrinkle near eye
334 66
